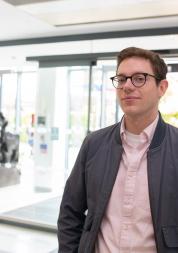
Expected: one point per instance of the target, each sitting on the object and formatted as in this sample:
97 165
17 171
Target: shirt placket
128 203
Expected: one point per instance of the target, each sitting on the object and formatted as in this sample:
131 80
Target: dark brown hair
157 63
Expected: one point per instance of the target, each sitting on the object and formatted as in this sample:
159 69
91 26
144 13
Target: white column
43 146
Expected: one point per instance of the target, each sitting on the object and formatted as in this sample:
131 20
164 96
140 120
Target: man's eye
139 78
121 79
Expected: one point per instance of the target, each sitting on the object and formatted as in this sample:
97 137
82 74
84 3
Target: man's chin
131 112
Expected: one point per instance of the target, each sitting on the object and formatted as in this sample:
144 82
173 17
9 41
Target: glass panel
28 97
27 117
169 103
104 106
96 99
9 90
70 116
110 102
78 83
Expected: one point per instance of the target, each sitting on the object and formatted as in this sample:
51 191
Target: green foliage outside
171 118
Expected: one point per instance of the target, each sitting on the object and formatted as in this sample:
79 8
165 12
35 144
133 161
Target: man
122 194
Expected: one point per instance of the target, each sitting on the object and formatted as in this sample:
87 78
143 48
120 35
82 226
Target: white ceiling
63 17
45 18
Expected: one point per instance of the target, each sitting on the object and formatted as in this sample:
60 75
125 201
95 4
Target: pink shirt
127 224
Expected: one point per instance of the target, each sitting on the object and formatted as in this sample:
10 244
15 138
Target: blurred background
56 60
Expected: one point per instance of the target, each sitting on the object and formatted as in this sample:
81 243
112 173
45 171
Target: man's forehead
135 65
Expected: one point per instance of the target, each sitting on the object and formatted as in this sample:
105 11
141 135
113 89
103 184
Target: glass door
105 110
77 116
91 103
84 99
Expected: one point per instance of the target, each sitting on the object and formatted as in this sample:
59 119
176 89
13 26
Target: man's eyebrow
121 74
137 72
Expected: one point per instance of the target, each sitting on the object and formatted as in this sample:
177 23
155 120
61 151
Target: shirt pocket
170 234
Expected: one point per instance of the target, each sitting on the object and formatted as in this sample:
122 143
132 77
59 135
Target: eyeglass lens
136 79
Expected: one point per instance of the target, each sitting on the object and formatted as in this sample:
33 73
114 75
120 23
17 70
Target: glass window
9 91
78 83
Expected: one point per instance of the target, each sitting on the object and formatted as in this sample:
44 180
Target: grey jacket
90 184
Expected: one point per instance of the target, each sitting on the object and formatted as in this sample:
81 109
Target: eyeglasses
137 79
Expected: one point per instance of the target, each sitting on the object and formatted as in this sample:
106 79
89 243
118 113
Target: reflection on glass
104 107
78 78
169 103
9 90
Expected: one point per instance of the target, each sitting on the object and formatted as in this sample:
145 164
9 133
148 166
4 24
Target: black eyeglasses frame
130 77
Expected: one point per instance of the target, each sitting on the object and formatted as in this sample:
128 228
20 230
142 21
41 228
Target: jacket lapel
112 166
154 182
155 168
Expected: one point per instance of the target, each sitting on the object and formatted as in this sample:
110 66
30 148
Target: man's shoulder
102 138
105 132
172 129
172 134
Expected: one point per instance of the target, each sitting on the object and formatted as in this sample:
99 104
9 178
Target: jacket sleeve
73 206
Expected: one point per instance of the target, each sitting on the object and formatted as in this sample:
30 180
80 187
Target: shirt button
125 226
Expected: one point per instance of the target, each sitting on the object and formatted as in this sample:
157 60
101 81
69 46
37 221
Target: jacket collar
159 133
157 137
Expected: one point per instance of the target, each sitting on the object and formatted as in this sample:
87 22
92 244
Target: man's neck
137 124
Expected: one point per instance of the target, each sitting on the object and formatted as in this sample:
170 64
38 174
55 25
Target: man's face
136 101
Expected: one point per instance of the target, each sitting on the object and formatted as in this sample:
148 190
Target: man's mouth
129 98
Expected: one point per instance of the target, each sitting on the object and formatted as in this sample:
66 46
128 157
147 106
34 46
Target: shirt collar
148 132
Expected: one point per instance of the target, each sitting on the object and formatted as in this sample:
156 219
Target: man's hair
157 63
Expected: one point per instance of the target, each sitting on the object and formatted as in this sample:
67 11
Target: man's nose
128 84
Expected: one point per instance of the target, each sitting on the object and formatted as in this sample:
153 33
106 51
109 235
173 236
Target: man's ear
163 85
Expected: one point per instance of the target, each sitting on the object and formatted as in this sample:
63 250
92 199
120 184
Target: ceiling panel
22 2
74 12
42 18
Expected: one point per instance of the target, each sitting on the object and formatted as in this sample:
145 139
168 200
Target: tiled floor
23 198
42 215
18 239
15 239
